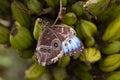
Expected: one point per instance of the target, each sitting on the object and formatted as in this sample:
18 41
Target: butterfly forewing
48 48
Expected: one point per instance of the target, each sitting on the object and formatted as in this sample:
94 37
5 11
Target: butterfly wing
48 47
70 43
56 41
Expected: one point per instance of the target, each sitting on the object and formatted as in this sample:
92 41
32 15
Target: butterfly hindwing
70 43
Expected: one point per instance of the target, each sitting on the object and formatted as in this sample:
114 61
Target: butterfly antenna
59 14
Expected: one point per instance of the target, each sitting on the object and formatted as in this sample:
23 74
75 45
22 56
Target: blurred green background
12 67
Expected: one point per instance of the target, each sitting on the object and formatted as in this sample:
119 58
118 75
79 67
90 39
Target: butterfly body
56 41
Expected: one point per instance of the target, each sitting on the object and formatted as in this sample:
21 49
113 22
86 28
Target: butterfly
56 41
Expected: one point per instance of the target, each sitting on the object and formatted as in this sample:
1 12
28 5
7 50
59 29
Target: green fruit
64 61
114 76
87 28
89 42
90 55
109 14
35 71
46 76
35 6
79 32
20 38
34 58
38 27
85 31
77 8
111 48
55 3
70 18
59 73
83 75
64 2
81 70
19 15
110 63
26 54
96 6
112 31
52 3
4 35
84 67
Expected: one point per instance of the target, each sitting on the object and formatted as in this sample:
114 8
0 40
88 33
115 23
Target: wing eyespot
56 44
66 45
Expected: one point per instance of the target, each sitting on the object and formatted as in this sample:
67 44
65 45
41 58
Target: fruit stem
59 14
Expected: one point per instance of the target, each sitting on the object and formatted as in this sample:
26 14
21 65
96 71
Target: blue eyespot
65 50
70 45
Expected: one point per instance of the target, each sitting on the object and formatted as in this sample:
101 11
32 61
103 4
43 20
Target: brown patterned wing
48 49
70 43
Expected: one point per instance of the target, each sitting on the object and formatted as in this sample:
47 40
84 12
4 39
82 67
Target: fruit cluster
96 22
